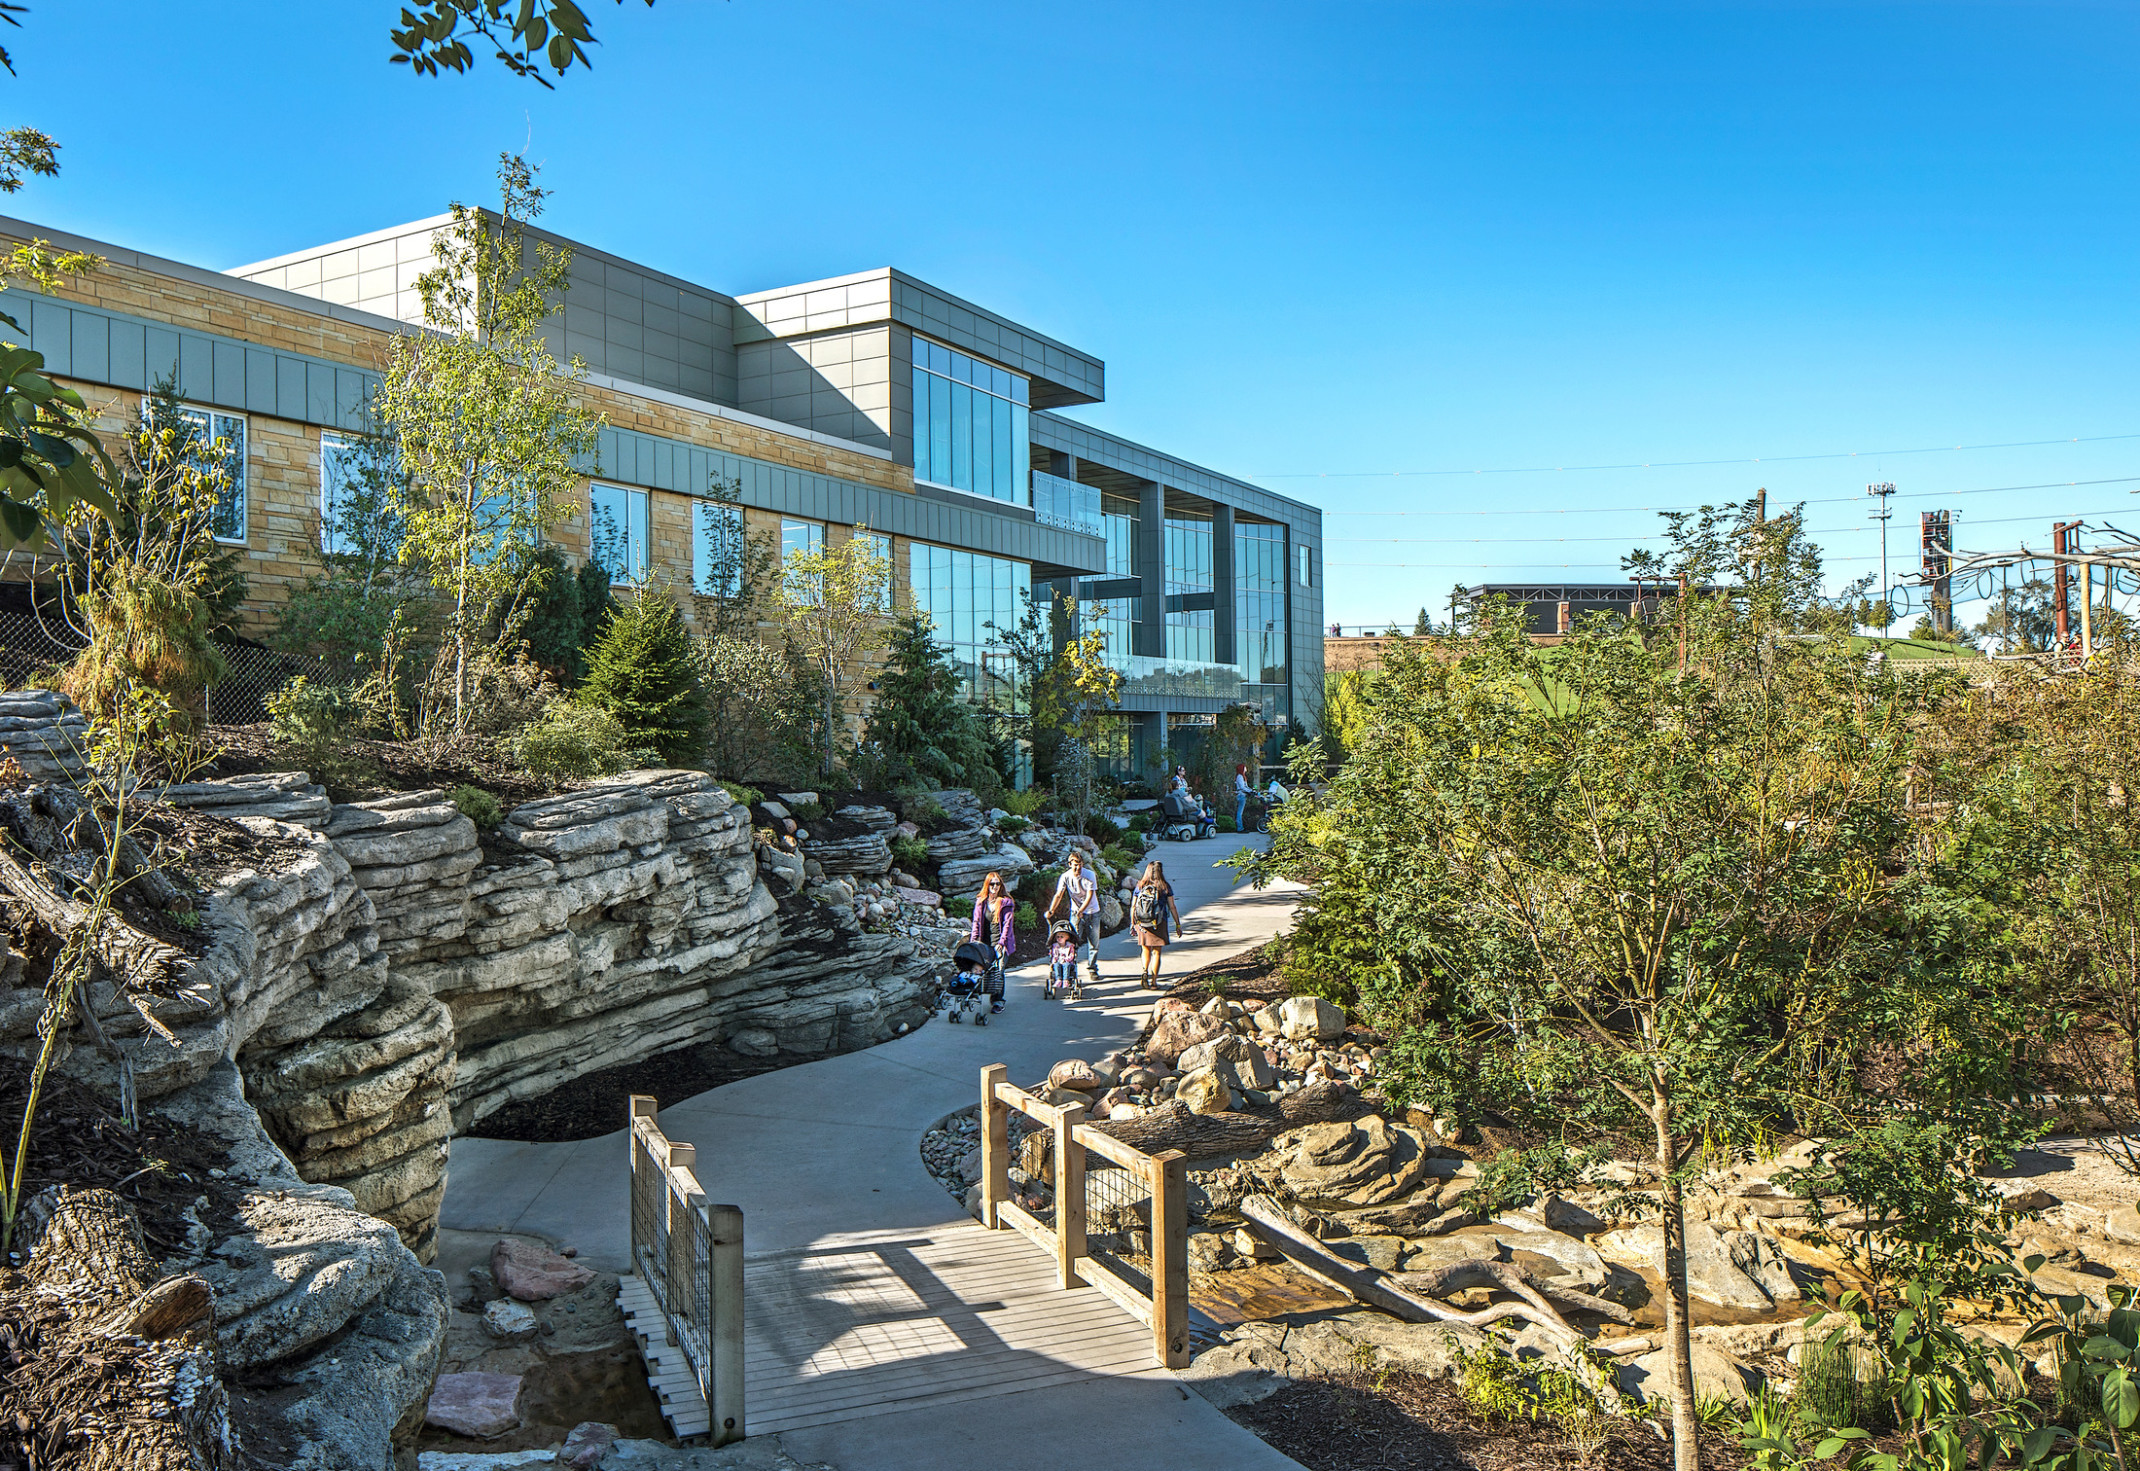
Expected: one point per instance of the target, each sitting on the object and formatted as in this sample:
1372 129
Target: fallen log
1201 1136
135 1369
1376 1289
84 828
1483 1272
143 962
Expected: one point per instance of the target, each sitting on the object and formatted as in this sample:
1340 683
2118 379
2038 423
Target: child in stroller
967 992
1062 962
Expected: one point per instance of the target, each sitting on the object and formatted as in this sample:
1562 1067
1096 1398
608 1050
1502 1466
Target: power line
1836 500
1932 449
1638 536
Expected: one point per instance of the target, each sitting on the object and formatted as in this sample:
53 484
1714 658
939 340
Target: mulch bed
78 1140
598 1103
372 769
1253 975
1397 1421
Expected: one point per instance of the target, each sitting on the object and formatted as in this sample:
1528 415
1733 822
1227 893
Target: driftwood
1200 1136
164 1408
82 828
141 961
1378 1289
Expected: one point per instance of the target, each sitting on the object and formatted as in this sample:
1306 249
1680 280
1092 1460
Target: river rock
1177 1032
1361 1163
1734 1269
509 1321
586 1445
1717 1375
534 1273
1075 1074
1238 1060
479 1406
1310 1019
1205 1092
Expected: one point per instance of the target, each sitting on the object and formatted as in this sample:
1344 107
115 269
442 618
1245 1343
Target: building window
1192 635
1118 517
1259 601
970 600
719 546
881 544
970 424
807 537
620 538
210 425
1307 577
345 464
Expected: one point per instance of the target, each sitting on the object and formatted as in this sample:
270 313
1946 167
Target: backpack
1144 906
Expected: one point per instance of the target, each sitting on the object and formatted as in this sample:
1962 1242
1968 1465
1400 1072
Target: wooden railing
1121 1226
690 1256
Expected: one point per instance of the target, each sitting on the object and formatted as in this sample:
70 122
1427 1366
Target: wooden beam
725 1404
1170 1259
1026 1224
995 1144
1095 1273
1069 1193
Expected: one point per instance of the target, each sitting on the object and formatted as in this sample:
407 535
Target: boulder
754 1042
1734 1269
964 875
1360 1163
1205 1092
534 1273
1075 1074
1310 1019
1177 1032
1717 1375
480 1406
509 1321
586 1445
1238 1060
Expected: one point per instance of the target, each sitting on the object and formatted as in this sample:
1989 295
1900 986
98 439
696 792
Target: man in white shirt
1078 894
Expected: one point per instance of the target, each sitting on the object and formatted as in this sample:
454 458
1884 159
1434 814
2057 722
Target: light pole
1881 492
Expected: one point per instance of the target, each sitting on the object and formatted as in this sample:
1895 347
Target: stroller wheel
980 1018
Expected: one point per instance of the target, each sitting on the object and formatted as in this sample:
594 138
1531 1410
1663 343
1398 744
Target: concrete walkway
824 1159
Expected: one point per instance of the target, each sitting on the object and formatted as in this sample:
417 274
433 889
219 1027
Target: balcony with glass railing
1066 503
1143 674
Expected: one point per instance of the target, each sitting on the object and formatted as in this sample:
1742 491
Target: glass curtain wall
970 424
1259 595
1191 633
963 593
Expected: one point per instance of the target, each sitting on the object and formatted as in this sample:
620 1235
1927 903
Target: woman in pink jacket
994 911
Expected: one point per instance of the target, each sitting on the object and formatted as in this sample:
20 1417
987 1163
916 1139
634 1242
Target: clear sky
1315 244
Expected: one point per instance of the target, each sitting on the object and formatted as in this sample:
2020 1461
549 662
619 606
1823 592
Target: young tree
920 727
343 610
488 429
1422 626
733 566
643 671
759 704
568 613
1033 717
1090 689
833 603
1609 898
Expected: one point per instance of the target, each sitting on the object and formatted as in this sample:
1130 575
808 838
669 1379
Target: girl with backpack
1150 907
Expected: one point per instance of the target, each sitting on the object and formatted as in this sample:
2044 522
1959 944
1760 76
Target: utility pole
2064 540
1881 492
1935 549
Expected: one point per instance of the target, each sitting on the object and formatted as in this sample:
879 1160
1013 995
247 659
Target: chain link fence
35 647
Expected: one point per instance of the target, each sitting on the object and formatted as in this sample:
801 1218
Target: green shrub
1027 919
1122 858
478 806
572 742
1012 824
1840 1383
1038 887
1025 803
315 721
921 728
748 796
1140 823
806 811
642 671
1102 830
909 852
1226 824
568 610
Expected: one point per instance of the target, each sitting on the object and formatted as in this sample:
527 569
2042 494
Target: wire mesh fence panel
250 674
1118 1216
33 648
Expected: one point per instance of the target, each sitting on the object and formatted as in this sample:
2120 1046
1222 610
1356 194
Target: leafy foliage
358 590
760 700
567 613
920 728
478 806
570 741
314 721
525 33
832 603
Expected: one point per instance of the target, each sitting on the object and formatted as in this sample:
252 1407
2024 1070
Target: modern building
874 400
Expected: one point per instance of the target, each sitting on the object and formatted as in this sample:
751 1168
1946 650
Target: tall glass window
881 544
1118 519
718 547
621 536
1117 618
1259 601
964 593
1191 634
210 425
807 537
970 424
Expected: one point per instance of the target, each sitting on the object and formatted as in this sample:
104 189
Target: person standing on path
1240 799
994 911
1077 899
1149 909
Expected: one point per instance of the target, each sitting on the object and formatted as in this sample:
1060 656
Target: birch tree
835 602
490 435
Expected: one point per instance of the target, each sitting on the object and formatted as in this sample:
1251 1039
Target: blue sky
1315 244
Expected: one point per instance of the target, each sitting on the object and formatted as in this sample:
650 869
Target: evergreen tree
643 671
1421 626
567 612
919 726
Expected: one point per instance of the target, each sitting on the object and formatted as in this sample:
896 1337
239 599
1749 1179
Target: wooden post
995 1145
1170 1258
641 1166
676 1292
1069 1193
725 1231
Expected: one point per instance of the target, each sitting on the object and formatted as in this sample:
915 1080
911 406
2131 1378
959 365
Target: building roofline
1079 427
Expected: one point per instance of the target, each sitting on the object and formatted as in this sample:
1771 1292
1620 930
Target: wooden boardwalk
878 1322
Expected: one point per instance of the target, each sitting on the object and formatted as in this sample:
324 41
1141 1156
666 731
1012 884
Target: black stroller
1182 818
967 992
